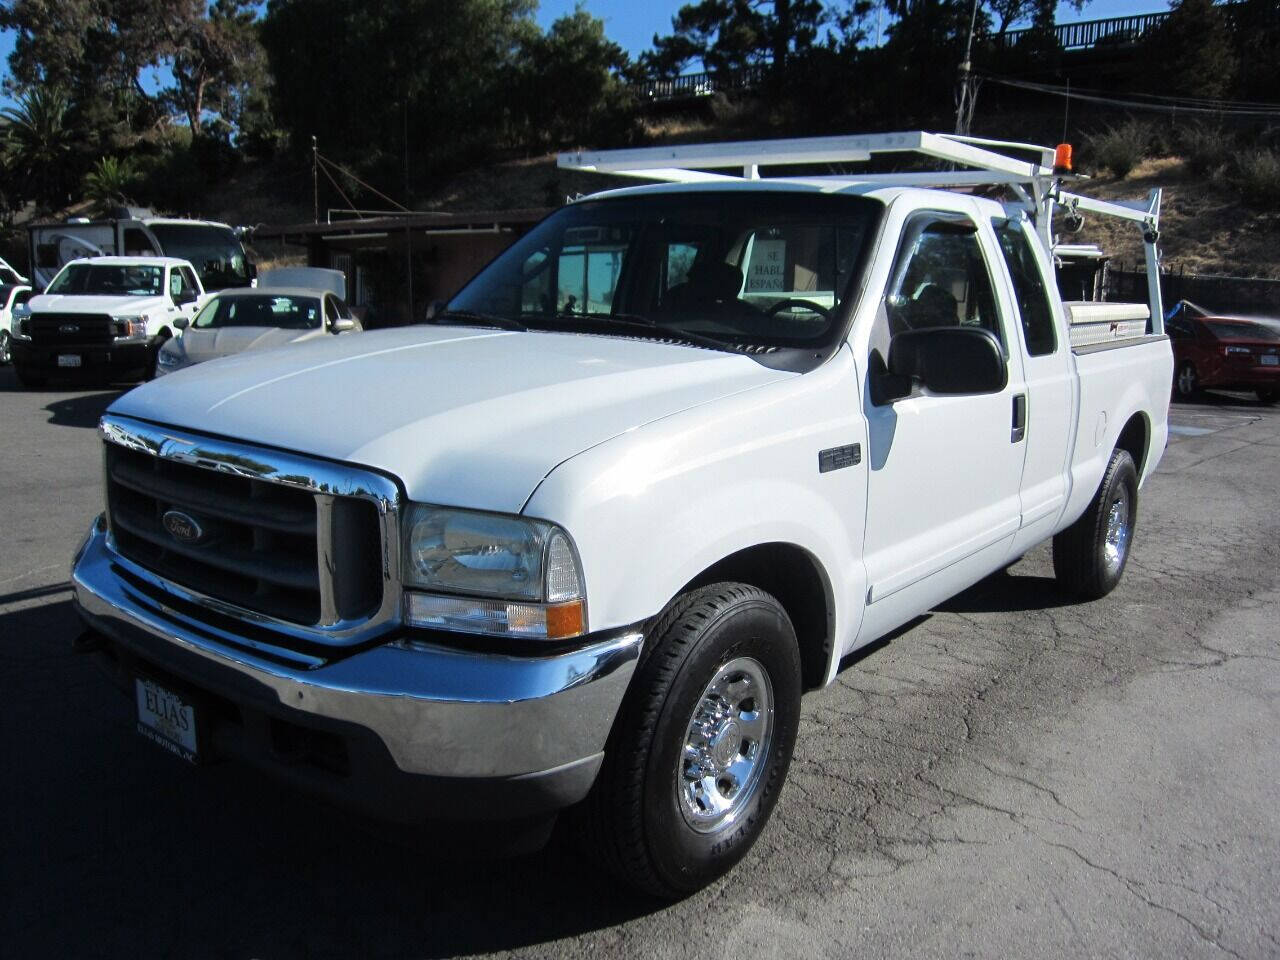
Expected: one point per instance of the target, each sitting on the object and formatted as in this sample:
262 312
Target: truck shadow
131 850
81 411
1005 592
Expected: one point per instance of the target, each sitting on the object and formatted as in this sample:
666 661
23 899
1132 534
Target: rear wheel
1268 395
1186 382
701 747
1089 557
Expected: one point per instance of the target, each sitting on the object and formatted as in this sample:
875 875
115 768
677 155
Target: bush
1207 151
1121 148
1257 177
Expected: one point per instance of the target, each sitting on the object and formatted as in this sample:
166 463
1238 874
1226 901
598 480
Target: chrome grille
306 550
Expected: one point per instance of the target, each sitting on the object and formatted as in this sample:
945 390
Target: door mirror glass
947 361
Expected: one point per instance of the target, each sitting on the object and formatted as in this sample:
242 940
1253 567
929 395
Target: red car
1231 353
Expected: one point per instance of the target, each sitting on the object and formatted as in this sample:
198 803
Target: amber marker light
1062 158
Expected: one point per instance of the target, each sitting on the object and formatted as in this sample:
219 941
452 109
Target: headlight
20 326
169 360
491 573
130 328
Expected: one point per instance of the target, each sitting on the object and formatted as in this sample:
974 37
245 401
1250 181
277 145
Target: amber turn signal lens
565 620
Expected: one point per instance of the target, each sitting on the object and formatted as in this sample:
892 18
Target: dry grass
1205 225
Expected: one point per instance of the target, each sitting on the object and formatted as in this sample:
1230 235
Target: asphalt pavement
1013 775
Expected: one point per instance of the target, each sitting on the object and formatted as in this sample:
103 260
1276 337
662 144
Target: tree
217 61
734 34
110 182
1190 53
39 144
397 88
567 85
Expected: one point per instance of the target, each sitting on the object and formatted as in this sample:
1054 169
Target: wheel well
1133 438
796 580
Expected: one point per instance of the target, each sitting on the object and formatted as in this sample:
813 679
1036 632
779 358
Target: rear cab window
1035 313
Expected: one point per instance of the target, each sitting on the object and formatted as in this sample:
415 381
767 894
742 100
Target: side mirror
341 324
434 308
181 323
948 361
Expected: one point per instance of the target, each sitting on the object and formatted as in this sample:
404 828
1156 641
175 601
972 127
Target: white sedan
237 320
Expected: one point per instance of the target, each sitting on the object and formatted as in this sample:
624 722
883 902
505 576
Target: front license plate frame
1272 360
70 360
169 719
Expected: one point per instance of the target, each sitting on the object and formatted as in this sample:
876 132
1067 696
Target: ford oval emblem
182 527
69 328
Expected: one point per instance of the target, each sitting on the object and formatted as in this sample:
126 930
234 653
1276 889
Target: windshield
218 256
737 269
277 310
134 280
1227 330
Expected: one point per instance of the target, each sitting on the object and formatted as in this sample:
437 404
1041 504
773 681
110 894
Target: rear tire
32 381
1089 557
1186 382
700 749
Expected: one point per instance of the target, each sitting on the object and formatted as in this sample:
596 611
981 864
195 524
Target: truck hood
202 345
85 303
464 417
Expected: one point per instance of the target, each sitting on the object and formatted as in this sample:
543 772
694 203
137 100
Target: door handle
1019 418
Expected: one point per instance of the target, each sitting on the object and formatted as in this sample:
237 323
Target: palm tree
39 141
108 183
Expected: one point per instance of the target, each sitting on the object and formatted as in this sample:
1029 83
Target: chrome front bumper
440 712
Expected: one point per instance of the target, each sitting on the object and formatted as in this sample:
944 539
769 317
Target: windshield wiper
643 327
474 316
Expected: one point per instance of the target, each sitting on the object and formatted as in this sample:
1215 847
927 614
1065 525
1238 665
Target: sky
632 25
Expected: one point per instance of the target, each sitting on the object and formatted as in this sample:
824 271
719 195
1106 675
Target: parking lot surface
1014 774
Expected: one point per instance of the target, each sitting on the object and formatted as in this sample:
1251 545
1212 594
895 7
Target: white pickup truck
660 466
104 318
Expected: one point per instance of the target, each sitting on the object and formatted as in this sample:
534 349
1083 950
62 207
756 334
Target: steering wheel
781 305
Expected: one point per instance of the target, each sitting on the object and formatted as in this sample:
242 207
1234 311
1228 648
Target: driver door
945 470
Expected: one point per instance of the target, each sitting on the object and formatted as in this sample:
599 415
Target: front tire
701 747
6 351
1268 395
1089 557
31 381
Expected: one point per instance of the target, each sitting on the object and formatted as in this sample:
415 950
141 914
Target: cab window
1034 310
941 278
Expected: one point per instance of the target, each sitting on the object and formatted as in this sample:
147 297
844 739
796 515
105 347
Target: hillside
1204 228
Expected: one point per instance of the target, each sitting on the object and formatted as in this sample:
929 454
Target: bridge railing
1089 33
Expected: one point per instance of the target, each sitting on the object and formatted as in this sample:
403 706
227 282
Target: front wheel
32 381
1090 555
701 747
1268 395
6 352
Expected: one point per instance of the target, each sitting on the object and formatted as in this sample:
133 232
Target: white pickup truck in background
655 471
104 318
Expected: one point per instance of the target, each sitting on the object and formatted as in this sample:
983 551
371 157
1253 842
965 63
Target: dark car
1227 352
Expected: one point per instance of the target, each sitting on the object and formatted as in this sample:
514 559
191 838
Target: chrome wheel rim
4 347
726 746
1116 544
1187 380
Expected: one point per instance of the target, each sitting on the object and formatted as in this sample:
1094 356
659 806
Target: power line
1171 105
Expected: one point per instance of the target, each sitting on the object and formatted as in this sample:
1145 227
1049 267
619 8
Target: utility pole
315 182
967 85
